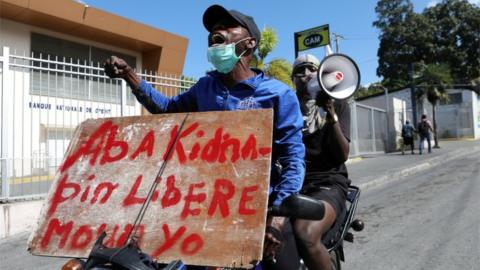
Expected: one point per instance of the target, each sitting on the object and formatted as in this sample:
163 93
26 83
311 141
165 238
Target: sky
351 19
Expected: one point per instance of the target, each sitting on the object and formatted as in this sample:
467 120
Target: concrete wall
476 108
397 116
18 217
458 120
453 120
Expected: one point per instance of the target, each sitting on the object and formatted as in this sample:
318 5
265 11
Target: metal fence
42 100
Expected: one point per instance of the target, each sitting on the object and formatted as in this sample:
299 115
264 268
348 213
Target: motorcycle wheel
335 260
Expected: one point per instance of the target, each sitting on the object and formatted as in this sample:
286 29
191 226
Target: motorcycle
333 239
131 257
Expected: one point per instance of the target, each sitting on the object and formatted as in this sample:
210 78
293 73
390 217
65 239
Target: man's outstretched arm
147 95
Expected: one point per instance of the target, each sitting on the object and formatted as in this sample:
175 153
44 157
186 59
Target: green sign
312 38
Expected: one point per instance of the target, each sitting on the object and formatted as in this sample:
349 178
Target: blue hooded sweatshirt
257 92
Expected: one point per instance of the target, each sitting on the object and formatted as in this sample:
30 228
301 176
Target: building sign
209 207
312 38
68 108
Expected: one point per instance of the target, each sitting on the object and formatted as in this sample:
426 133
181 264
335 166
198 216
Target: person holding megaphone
326 133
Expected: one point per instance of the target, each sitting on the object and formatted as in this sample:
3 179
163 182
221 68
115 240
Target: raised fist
116 67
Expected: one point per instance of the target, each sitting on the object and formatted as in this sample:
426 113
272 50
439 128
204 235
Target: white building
459 118
51 79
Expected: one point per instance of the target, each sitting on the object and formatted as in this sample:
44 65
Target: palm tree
186 82
267 43
432 83
279 69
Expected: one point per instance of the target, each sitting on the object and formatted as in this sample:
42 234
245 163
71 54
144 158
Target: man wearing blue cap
232 40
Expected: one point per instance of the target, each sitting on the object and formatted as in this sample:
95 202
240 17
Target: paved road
429 221
14 256
381 169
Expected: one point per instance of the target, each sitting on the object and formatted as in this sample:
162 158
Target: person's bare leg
309 235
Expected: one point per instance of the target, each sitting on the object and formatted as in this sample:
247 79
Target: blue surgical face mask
223 57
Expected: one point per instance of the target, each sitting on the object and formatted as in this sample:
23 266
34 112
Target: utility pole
337 38
413 97
387 107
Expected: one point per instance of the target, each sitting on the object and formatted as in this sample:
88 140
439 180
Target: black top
320 167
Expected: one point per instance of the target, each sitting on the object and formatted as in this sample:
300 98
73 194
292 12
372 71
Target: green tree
361 92
405 37
432 83
457 38
445 33
186 82
372 89
269 41
279 69
392 15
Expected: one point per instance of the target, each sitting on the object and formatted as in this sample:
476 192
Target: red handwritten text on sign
210 197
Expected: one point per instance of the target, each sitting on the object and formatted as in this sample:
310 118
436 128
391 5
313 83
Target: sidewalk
369 171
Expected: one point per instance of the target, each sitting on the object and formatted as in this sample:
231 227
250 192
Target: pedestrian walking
407 136
424 128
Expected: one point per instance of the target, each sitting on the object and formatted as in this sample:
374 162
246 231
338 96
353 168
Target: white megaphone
338 76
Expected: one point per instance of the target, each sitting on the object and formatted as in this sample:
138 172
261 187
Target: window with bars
72 70
453 98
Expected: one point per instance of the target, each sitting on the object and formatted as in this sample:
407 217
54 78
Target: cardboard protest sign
209 207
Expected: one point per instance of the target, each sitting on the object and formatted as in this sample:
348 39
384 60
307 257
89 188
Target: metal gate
42 101
368 130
